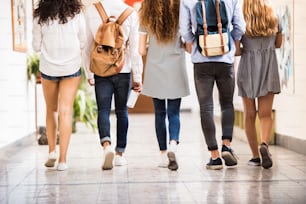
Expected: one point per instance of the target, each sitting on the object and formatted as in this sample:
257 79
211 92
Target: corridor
24 179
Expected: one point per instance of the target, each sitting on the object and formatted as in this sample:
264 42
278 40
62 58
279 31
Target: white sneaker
62 166
51 159
120 161
164 161
108 158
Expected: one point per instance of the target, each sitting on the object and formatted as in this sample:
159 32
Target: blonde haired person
258 77
165 77
59 36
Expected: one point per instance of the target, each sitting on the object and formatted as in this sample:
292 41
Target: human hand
91 82
188 47
137 86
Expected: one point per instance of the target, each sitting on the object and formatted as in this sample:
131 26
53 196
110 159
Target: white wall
291 107
17 118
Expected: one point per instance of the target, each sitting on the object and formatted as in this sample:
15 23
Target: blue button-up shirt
188 26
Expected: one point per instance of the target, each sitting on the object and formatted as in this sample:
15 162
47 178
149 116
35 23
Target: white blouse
60 45
133 60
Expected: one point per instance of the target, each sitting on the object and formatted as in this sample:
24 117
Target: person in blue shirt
211 70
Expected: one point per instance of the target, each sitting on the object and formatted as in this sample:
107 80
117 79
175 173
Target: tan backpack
107 55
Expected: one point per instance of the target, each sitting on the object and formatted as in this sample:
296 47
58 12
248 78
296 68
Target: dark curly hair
49 10
161 18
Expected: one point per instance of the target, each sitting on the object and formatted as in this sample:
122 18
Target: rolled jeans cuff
227 138
120 149
105 139
213 148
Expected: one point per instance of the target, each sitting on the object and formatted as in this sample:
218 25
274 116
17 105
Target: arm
37 36
278 40
238 48
143 43
185 26
188 47
136 59
89 39
237 22
82 30
279 35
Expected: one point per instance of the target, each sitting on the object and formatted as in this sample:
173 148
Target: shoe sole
172 161
50 163
254 164
108 162
62 169
214 167
265 156
229 159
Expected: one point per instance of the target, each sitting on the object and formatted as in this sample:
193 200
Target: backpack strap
219 24
218 16
124 15
101 11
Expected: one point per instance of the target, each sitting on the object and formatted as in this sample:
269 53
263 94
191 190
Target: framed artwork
285 55
34 4
19 25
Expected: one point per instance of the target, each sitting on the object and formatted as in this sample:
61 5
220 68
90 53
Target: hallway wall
17 118
291 109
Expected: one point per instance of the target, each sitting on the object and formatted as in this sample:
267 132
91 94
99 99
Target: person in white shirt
59 36
118 85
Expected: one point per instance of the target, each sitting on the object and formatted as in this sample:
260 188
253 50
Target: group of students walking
63 33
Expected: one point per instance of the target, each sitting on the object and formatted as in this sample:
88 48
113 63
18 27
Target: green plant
32 66
85 107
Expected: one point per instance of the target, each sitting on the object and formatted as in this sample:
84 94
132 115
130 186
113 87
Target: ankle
119 154
214 154
105 144
163 152
264 143
226 142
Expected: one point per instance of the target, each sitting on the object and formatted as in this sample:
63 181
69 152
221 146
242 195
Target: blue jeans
171 108
205 76
58 78
105 87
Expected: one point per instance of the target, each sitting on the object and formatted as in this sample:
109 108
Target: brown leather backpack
107 55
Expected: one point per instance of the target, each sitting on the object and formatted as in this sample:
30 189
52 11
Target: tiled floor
24 179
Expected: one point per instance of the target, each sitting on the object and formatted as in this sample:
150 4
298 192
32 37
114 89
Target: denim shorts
58 78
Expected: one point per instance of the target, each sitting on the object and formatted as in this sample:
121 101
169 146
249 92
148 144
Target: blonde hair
260 18
161 18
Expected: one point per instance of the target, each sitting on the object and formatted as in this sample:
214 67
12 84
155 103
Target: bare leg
265 116
50 90
214 154
249 124
67 92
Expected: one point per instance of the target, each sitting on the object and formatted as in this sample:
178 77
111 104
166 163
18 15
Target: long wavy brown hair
260 18
61 10
161 18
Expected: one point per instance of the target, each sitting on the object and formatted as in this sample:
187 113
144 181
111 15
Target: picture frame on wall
34 4
19 25
285 54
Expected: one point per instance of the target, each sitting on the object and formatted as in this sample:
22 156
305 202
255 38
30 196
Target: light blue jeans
105 87
170 108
